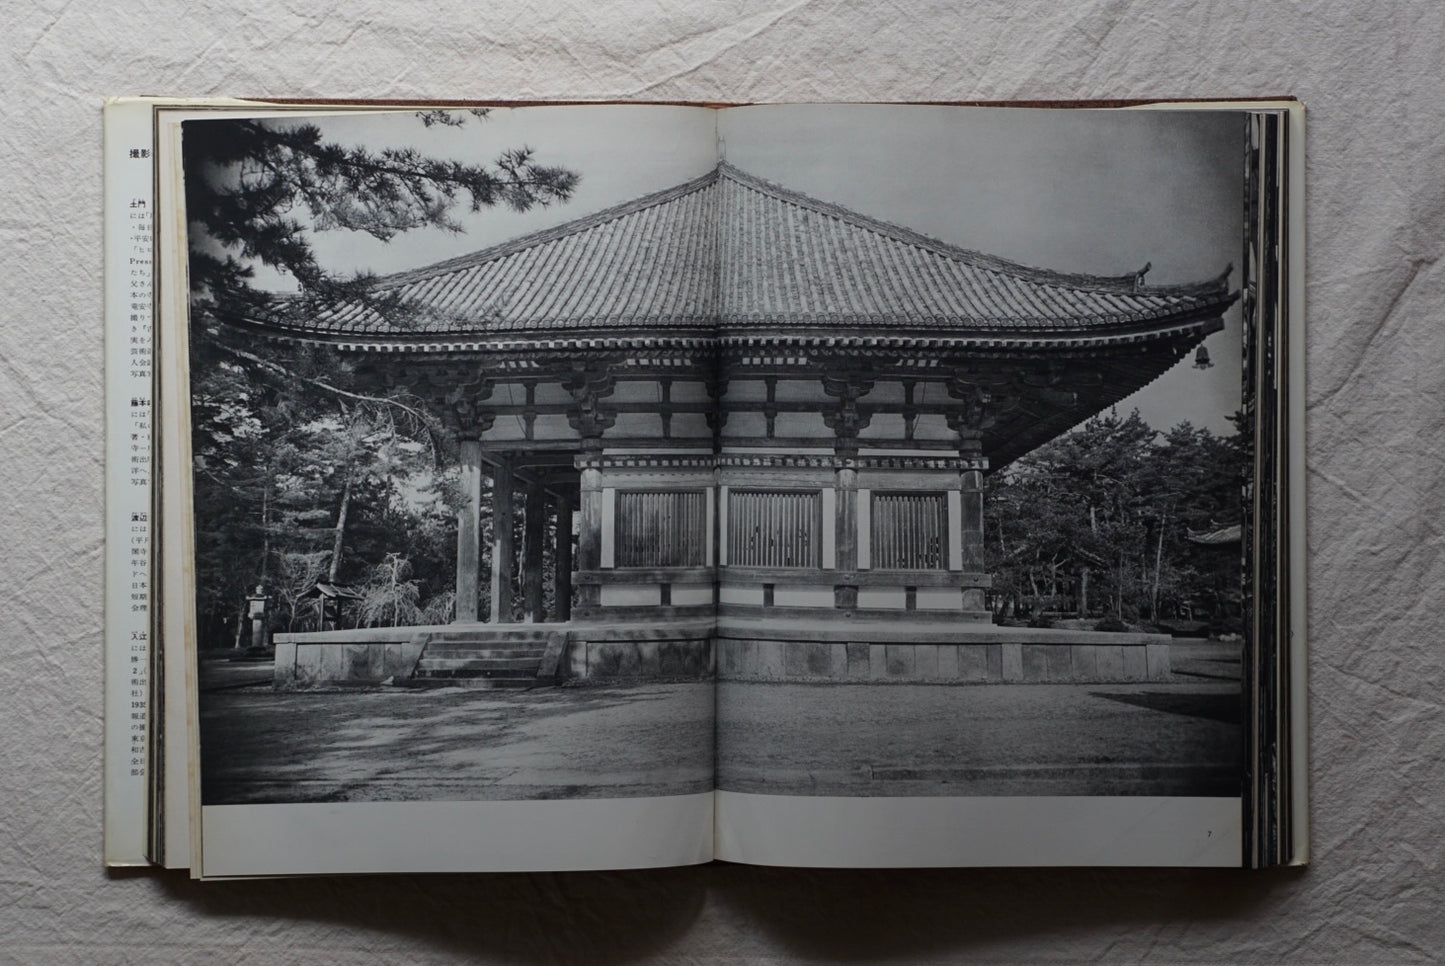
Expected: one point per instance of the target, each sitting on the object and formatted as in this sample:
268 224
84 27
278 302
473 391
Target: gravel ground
1176 738
456 744
1043 739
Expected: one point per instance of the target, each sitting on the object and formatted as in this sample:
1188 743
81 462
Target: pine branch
245 179
421 418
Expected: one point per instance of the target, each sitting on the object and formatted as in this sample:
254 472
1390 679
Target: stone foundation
960 655
575 652
347 658
616 660
771 650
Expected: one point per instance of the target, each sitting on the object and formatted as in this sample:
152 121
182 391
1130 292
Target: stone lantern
256 611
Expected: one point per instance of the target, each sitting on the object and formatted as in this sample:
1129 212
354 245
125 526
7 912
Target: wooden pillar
846 521
502 542
562 561
970 536
847 384
534 529
970 531
589 527
845 593
469 553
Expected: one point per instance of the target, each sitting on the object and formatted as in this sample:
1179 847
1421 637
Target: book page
129 260
453 582
802 407
174 527
982 484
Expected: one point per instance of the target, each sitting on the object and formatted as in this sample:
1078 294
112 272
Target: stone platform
815 650
490 656
863 652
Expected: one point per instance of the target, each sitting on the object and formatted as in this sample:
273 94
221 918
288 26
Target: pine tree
1108 507
257 188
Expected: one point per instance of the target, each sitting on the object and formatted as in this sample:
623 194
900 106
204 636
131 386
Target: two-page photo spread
590 486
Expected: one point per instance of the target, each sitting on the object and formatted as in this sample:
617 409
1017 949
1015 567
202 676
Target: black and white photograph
415 338
835 451
1002 350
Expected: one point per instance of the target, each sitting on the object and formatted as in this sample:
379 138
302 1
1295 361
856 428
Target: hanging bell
1201 358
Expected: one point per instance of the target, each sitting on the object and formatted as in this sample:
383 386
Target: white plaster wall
1371 75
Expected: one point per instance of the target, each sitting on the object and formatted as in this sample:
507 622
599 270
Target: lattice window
774 528
661 528
909 531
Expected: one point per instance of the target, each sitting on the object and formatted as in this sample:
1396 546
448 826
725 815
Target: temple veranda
767 420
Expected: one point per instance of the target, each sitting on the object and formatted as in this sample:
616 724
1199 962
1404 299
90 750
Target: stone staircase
491 657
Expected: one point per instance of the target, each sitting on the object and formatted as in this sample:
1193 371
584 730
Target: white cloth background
1373 77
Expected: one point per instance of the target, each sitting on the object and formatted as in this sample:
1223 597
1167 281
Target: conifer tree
257 188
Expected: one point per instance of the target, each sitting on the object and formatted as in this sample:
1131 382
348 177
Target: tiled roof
730 251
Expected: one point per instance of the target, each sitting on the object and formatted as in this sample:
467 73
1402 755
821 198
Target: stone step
527 664
475 684
452 652
528 673
514 634
488 658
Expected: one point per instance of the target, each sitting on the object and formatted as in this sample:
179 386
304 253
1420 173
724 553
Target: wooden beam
530 476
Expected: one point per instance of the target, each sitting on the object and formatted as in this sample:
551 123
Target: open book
612 486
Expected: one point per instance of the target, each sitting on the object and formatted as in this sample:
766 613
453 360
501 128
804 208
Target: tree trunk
338 544
245 621
241 623
1158 564
395 604
265 522
1119 589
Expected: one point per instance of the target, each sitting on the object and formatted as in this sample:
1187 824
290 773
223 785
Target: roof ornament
1139 276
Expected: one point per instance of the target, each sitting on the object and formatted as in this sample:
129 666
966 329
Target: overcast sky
1100 192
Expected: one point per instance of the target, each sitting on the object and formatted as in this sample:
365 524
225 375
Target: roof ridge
667 241
1130 284
545 235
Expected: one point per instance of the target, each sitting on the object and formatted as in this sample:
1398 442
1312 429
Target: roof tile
731 251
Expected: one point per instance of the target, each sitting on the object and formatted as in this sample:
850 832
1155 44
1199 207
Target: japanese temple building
761 407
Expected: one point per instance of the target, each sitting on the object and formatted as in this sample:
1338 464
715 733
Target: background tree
391 596
297 574
1097 521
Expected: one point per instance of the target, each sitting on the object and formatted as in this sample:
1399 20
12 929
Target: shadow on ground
1225 708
